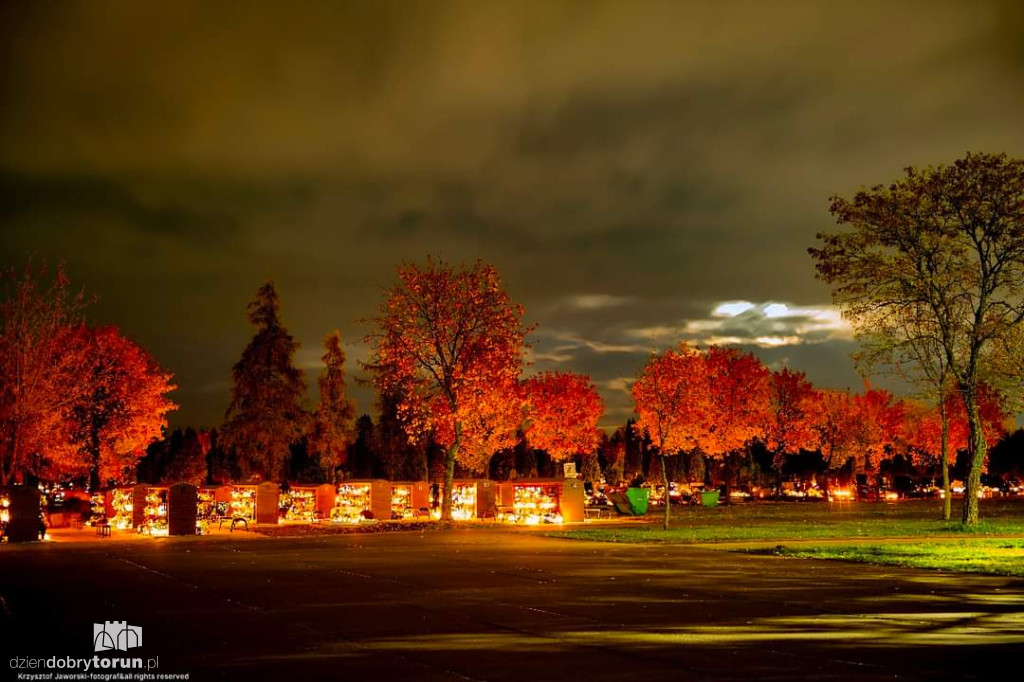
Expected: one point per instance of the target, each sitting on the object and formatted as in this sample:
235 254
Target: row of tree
931 275
76 401
448 358
722 401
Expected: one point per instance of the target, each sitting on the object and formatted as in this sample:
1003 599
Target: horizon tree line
930 274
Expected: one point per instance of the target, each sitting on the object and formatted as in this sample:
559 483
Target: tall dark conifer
333 420
266 414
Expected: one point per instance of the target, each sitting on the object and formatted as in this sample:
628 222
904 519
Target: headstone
23 510
268 498
325 495
380 499
572 500
182 504
139 505
486 499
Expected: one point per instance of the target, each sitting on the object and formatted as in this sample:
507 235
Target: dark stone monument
182 507
23 525
486 499
268 499
139 505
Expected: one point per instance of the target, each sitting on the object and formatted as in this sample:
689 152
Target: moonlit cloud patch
766 325
732 308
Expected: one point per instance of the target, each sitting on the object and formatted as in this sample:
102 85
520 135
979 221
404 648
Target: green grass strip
995 556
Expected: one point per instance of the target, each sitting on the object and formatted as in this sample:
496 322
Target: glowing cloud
732 308
767 325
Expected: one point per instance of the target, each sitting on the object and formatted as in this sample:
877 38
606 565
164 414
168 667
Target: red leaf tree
739 401
923 426
877 428
563 410
124 408
449 343
794 410
836 426
672 402
40 370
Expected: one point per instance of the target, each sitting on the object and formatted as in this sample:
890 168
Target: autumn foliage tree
672 398
123 408
332 430
924 426
739 401
266 415
40 370
74 400
791 417
944 248
563 410
836 426
449 342
877 428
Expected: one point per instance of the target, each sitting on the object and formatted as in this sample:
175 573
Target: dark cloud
627 166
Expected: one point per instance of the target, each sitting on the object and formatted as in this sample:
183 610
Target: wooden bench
596 513
103 530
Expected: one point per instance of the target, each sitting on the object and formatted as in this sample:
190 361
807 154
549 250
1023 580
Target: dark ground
497 604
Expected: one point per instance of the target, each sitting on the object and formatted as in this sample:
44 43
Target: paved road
502 605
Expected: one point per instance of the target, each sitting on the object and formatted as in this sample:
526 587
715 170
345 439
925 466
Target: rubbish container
709 498
638 499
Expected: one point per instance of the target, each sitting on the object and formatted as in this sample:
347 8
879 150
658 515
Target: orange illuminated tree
924 426
449 343
672 402
877 428
739 401
563 410
836 426
793 412
40 370
123 409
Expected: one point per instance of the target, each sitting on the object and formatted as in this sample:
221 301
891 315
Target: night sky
640 173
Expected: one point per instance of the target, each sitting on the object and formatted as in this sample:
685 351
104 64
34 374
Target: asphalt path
503 605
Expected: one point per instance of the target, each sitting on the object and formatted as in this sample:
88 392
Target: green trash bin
709 498
638 499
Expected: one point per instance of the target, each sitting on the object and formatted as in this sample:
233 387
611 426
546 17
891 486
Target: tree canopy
449 343
936 260
267 413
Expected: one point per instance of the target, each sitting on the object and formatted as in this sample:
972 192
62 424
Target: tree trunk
947 498
449 475
94 455
668 498
978 450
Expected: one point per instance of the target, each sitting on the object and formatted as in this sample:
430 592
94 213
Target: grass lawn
819 520
974 555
